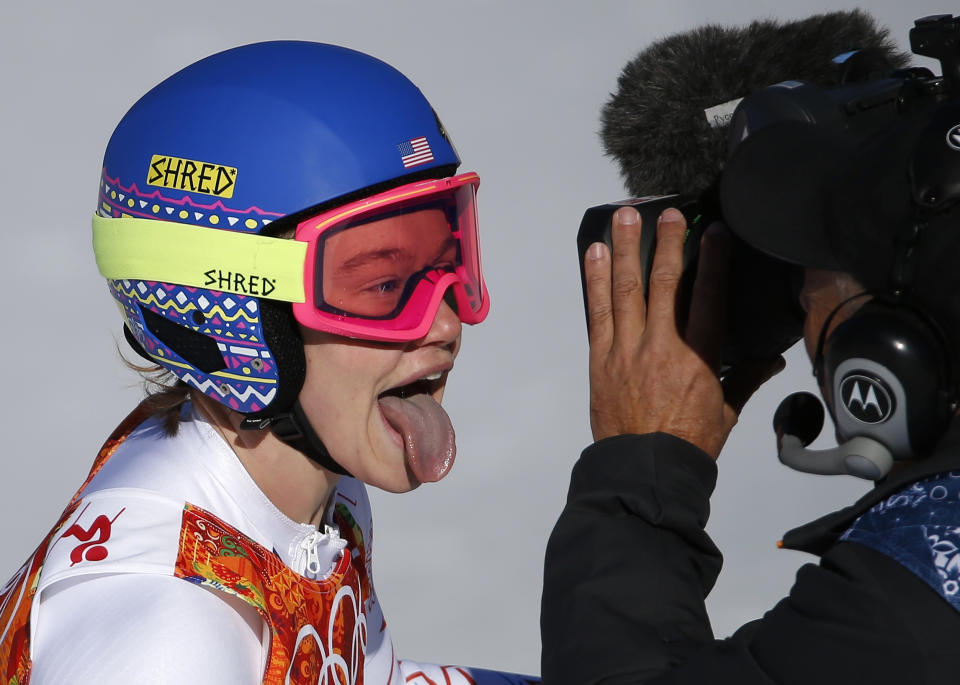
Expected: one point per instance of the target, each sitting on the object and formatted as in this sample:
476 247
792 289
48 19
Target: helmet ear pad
282 337
284 414
888 374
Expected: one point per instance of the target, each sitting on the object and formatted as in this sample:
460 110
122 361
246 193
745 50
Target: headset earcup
888 377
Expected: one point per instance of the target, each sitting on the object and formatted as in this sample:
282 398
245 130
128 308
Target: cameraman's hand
644 375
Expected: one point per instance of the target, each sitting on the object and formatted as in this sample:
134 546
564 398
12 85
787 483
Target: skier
285 234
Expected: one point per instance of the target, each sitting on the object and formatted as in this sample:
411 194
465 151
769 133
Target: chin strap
293 427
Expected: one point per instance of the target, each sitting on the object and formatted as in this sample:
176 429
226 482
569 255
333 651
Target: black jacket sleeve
628 567
628 564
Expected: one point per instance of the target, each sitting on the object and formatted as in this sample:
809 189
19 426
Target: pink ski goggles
379 268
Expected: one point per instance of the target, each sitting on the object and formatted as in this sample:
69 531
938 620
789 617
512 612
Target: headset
890 383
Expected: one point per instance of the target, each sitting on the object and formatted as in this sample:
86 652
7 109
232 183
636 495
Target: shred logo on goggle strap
230 281
189 174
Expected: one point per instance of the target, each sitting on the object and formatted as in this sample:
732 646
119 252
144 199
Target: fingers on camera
707 307
667 268
596 271
627 277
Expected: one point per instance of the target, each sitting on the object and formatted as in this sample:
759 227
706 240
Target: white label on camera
720 115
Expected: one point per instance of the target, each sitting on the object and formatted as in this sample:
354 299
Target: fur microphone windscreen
656 124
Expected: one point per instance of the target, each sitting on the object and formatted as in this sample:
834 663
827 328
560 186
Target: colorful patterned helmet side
235 142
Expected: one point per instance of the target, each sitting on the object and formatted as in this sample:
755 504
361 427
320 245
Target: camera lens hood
774 191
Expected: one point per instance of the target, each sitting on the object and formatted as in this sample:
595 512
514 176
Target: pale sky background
519 85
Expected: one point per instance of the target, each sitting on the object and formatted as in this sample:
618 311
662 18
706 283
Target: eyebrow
364 258
388 254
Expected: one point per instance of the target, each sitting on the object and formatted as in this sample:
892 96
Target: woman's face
376 406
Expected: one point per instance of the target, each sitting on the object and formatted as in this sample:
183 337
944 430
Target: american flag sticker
415 152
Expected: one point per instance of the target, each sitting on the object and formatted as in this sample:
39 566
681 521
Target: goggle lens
381 269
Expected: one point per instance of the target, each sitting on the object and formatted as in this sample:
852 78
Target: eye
385 287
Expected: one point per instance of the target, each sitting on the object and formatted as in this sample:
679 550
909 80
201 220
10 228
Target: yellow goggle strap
183 254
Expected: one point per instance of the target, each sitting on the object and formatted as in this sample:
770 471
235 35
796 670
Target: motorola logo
953 137
866 398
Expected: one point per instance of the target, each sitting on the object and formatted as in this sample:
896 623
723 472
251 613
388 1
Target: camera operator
873 221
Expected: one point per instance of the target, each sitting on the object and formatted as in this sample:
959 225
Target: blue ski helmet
236 142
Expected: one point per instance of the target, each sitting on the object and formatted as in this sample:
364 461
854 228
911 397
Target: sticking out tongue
427 434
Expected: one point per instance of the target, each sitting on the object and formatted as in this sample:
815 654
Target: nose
446 328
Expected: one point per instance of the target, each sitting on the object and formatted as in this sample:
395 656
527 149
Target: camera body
867 99
760 326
